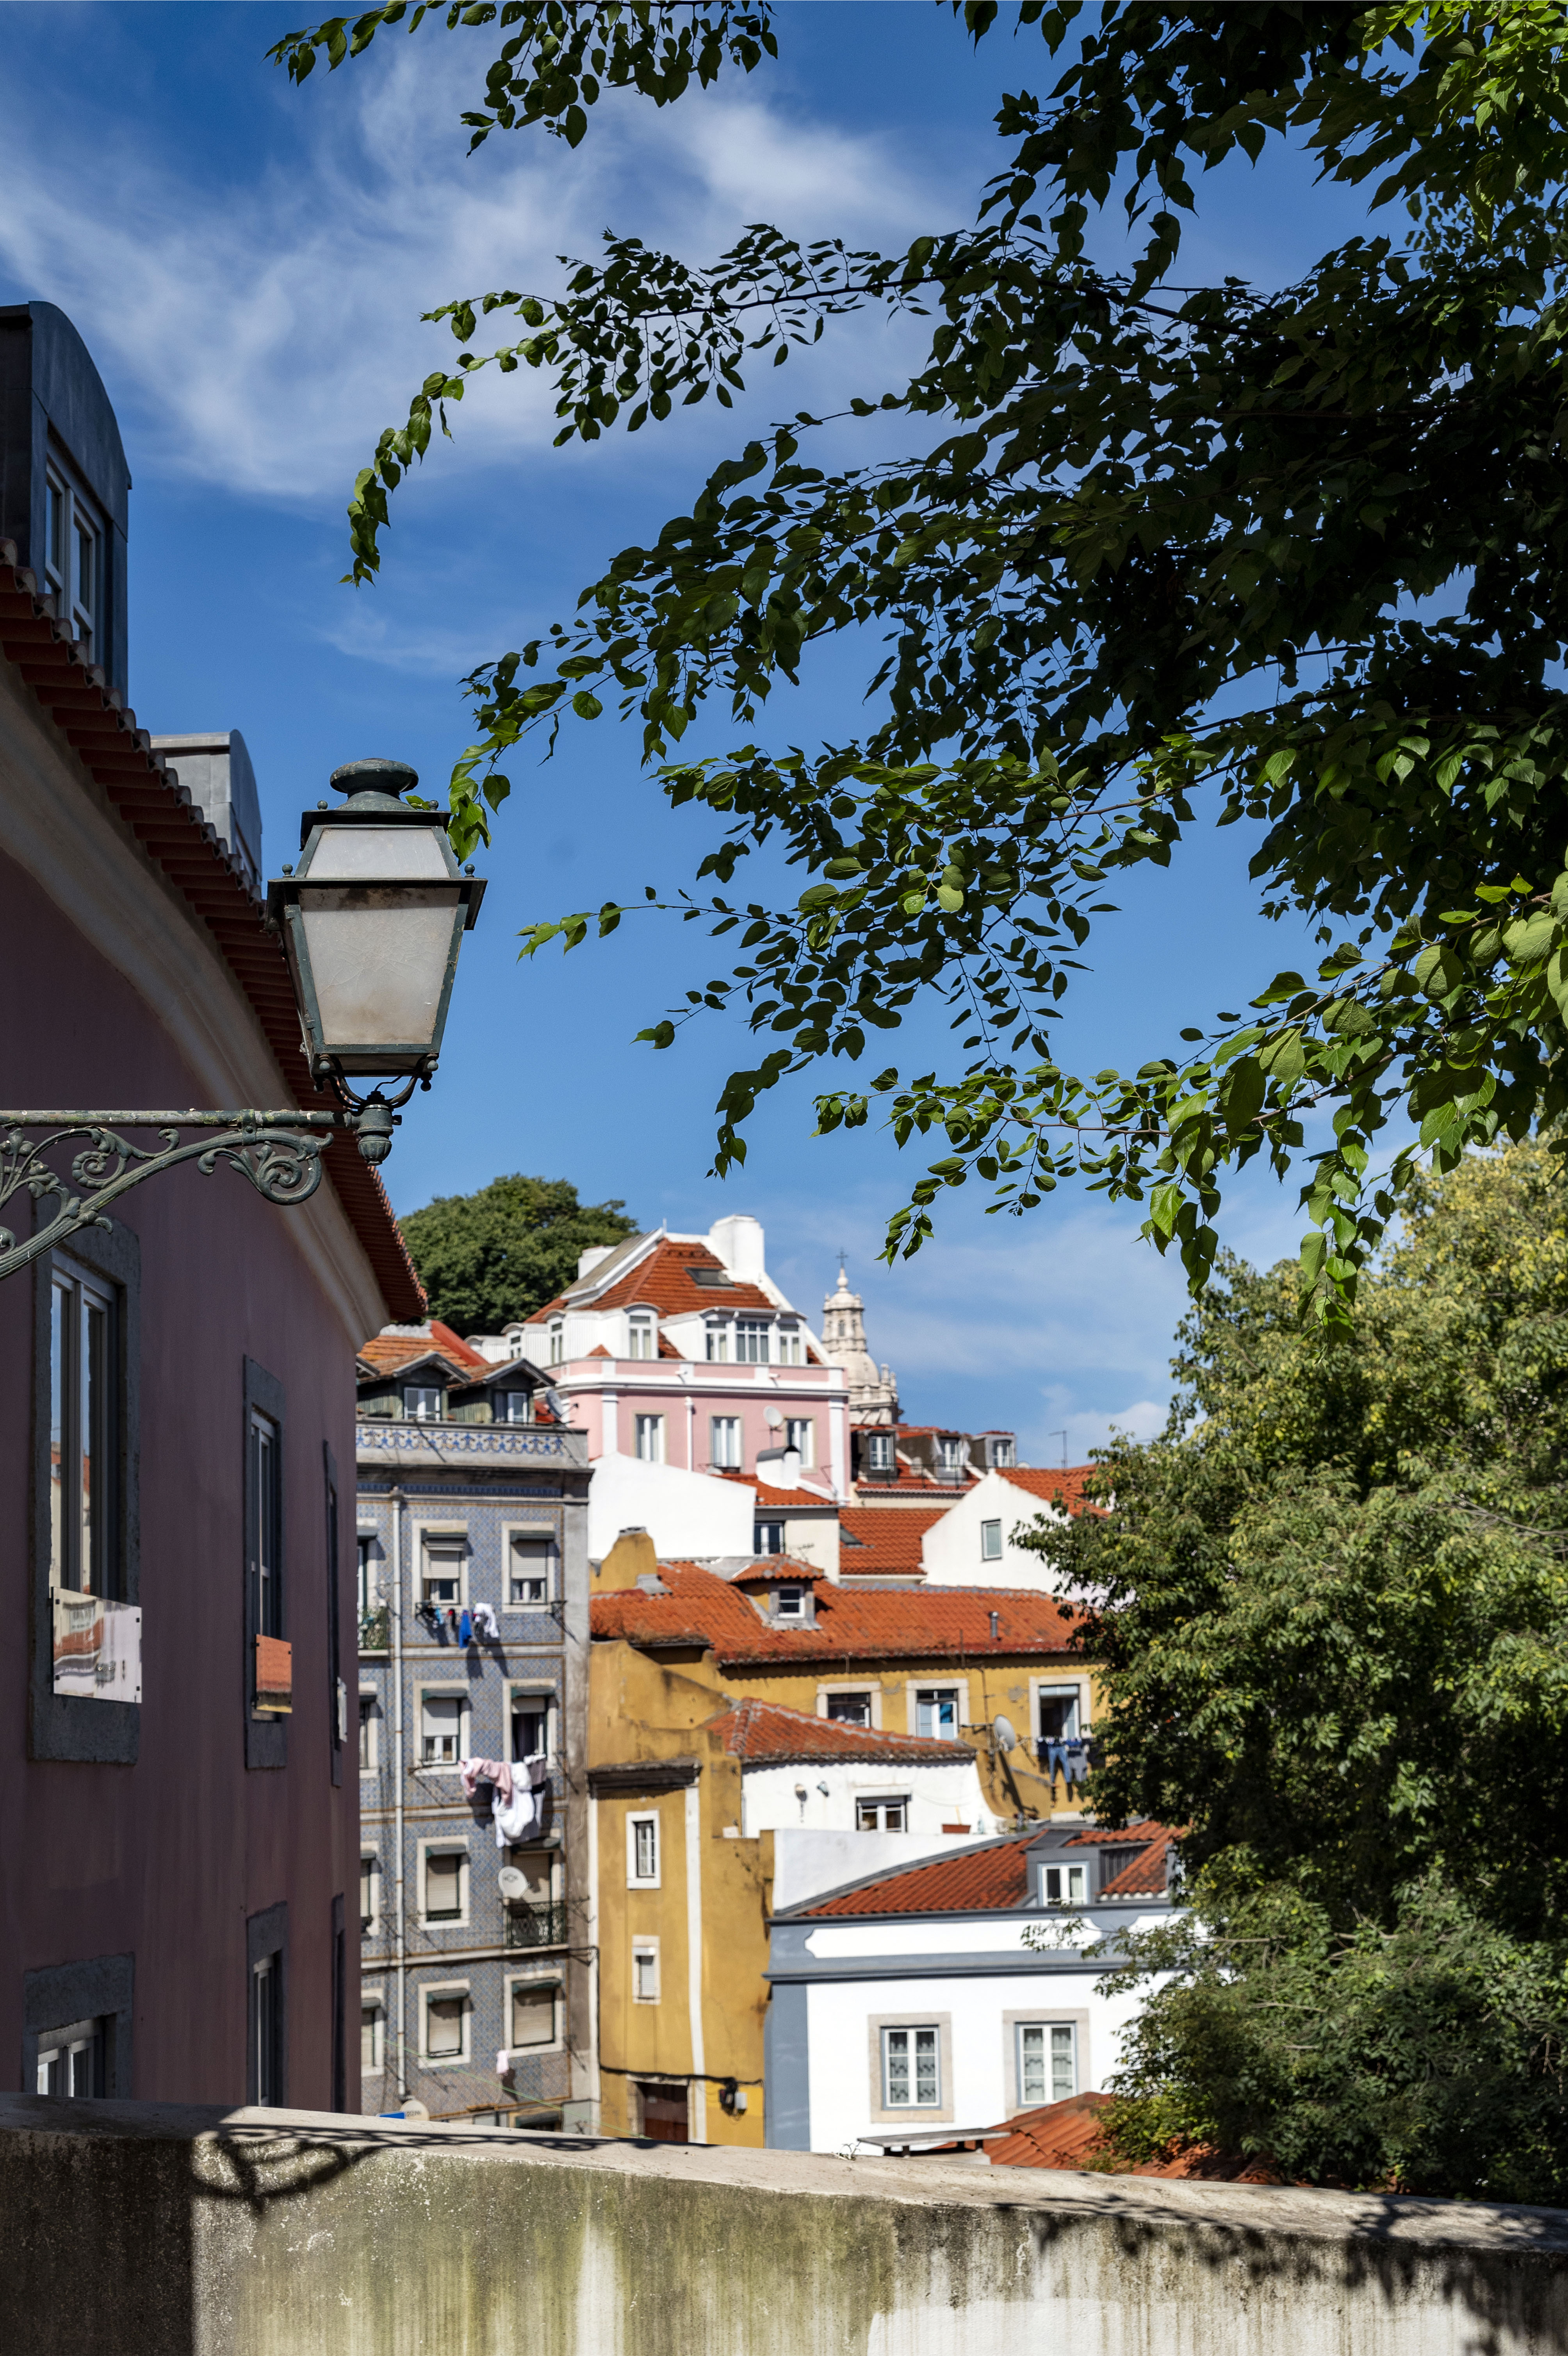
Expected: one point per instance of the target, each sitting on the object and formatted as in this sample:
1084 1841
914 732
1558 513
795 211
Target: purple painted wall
166 1859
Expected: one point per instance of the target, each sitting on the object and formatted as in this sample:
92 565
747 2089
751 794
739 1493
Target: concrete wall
184 2233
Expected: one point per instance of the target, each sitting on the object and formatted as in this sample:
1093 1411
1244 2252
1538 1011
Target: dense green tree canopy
1331 1606
1158 557
489 1257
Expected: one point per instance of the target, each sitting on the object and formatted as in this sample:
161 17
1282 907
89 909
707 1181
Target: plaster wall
267 2235
950 1550
687 1514
805 1863
937 1796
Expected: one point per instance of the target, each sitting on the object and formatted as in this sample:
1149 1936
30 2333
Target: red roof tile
766 1734
174 834
388 1351
1064 1489
884 1542
1067 2134
862 1623
989 1875
662 1281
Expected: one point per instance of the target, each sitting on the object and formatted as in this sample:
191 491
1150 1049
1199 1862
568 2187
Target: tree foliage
487 1259
1159 558
1331 1606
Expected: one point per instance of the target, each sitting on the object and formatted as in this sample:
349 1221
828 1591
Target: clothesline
516 1802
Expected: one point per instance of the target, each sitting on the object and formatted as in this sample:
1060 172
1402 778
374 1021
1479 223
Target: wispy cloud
265 341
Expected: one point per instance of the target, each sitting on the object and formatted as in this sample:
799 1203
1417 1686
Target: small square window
71 2061
990 1541
1064 1885
645 1970
768 1537
791 1604
533 2014
1058 1708
850 1709
642 1852
511 1406
936 1712
912 2070
446 2026
444 1891
881 1815
421 1403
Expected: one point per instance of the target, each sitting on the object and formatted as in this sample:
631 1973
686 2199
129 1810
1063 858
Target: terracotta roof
926 1623
1054 1487
179 842
779 1500
989 1875
884 1542
389 1352
1147 1876
766 1734
662 1281
1067 2134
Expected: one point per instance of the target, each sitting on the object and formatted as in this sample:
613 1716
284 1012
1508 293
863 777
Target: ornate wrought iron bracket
279 1153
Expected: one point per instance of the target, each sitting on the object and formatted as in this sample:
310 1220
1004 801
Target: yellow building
879 1710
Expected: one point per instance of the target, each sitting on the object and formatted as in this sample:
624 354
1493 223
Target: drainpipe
400 1952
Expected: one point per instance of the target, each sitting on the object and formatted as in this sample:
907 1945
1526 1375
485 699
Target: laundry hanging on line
516 1804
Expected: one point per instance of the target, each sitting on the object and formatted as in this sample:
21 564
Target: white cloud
262 342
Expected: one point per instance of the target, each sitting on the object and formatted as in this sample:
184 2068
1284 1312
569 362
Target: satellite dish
514 1885
773 1419
1002 1728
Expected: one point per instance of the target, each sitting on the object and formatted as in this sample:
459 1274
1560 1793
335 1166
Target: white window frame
543 1534
535 1980
875 1442
522 1691
879 1801
805 1426
792 1345
1013 2023
716 1330
859 1686
373 2002
556 1346
430 1992
1066 1867
991 1540
754 1329
367 1549
635 1881
799 1594
369 1725
644 1951
723 1430
60 573
446 1846
642 1326
957 1687
651 1427
371 1858
1055 1689
883 2115
443 1535
423 1693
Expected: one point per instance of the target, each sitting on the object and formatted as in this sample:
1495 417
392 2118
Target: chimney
738 1241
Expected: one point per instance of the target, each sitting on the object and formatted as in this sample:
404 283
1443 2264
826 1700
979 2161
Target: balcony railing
535 1926
376 1629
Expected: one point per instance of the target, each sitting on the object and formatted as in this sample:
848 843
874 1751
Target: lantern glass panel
376 854
378 959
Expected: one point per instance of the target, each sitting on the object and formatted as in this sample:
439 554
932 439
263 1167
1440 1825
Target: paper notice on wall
97 1647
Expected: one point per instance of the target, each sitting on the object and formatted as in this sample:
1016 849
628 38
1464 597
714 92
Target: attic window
713 1280
511 1406
74 564
790 1602
421 1403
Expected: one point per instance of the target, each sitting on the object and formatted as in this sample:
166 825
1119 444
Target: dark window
339 1997
337 1691
879 1453
86 1522
1058 1715
530 1726
768 1537
790 1602
266 1961
267 1523
71 2059
850 1709
76 2027
269 1671
664 2110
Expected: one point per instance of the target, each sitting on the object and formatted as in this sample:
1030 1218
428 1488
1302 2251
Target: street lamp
372 920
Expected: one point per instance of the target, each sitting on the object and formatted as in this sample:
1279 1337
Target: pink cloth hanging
487 1771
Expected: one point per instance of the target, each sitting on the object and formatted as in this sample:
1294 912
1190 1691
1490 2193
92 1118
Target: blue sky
248 263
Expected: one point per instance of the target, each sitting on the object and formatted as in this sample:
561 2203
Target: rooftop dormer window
642 1337
73 568
791 1604
1004 1452
951 1455
718 1343
421 1403
557 1341
1064 1885
511 1406
713 1280
751 1335
791 1351
879 1454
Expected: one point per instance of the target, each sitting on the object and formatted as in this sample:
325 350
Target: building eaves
188 850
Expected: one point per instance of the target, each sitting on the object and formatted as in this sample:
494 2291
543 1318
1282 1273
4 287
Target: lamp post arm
279 1153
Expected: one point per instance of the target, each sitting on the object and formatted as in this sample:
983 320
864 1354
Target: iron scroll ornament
279 1153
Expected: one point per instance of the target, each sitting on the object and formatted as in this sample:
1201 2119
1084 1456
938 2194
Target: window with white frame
800 1432
912 2068
645 1970
421 1402
1064 1885
531 1726
717 1342
793 1603
511 1406
991 1541
367 1547
443 1728
642 1335
1056 1713
75 558
1003 1451
370 1734
650 1439
880 1456
1047 2061
724 1442
369 1894
952 1454
557 1350
445 1890
642 1851
767 1537
752 1338
85 1412
372 2034
882 1813
443 1559
446 2014
936 1712
533 2014
791 1351
849 1708
530 1573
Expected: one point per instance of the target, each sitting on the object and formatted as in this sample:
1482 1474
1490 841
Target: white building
913 2000
974 1542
